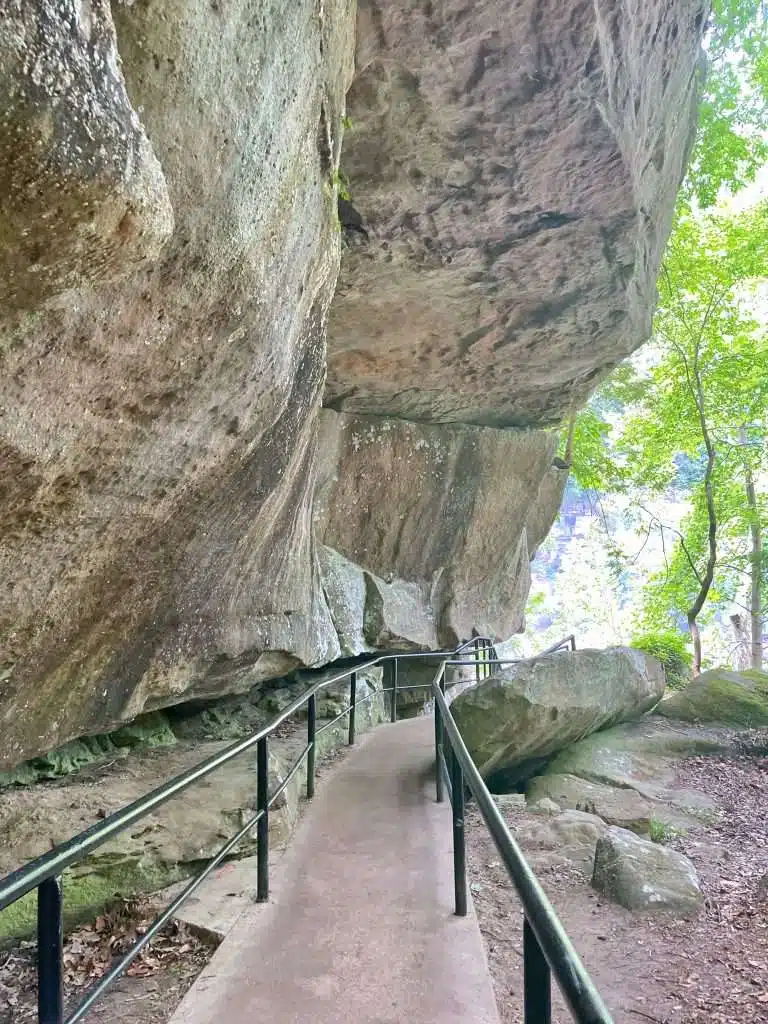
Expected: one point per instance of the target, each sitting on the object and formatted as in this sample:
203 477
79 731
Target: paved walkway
360 929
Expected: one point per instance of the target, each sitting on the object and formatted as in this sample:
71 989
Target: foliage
706 397
693 421
671 650
662 832
730 144
341 184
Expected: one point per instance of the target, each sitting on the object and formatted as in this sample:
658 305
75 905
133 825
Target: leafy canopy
731 144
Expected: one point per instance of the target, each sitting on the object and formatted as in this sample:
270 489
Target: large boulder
645 876
458 511
556 840
517 719
721 697
637 763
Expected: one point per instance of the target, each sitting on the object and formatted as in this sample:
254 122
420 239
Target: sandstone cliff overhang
515 166
170 248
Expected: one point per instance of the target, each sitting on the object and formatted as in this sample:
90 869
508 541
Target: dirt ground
713 970
149 992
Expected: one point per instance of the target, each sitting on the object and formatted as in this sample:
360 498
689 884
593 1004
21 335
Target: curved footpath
360 928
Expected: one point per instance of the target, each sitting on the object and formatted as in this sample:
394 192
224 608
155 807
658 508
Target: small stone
510 801
544 806
619 806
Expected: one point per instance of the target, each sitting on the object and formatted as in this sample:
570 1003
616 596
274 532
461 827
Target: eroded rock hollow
179 517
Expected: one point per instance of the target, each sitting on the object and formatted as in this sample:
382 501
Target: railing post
262 827
393 695
50 1001
311 721
352 706
537 985
439 795
459 847
477 661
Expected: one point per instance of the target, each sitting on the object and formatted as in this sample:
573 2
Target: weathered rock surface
159 441
616 806
721 697
569 837
517 719
445 508
159 434
82 194
515 166
645 876
641 758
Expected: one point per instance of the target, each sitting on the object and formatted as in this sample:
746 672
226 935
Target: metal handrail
547 949
545 942
45 872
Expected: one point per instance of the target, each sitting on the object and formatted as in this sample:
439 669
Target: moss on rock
88 890
722 697
150 730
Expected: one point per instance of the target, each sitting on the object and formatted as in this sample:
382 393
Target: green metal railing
545 946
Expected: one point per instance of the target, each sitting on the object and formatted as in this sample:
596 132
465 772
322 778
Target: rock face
82 194
720 697
517 719
622 807
645 876
444 508
515 166
634 765
170 249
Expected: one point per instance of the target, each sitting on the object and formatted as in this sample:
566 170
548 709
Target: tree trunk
741 646
705 581
755 574
696 637
569 440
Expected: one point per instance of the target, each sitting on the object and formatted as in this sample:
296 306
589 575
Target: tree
707 398
700 423
731 143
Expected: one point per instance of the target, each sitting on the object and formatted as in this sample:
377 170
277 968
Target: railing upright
311 744
537 980
439 790
459 837
50 941
262 828
393 694
352 708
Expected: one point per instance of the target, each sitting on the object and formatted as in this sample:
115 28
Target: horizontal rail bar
470 660
405 689
337 719
287 780
578 990
447 781
159 922
24 880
